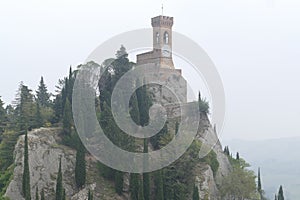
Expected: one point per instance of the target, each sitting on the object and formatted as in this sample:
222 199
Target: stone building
171 87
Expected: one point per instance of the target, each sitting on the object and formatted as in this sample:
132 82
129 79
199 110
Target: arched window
157 38
166 38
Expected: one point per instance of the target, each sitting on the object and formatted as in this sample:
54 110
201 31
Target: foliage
59 184
90 195
203 105
240 183
80 167
119 182
43 97
196 193
280 193
159 185
26 174
212 161
43 194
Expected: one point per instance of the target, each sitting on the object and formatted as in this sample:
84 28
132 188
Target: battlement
162 21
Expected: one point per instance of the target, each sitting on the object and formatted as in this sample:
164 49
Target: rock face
45 151
44 154
205 180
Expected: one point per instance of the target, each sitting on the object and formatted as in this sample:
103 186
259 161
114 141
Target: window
157 38
166 38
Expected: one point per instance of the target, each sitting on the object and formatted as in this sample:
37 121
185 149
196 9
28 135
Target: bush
212 161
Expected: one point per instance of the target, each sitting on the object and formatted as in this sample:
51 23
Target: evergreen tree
37 193
59 184
26 173
38 117
80 167
280 193
43 97
195 193
67 118
3 118
43 194
176 127
64 194
119 182
146 176
237 156
90 195
259 187
159 185
25 108
136 187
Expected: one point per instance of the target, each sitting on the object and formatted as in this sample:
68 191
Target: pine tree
280 193
38 116
59 185
80 167
159 185
195 193
43 194
3 118
43 97
26 173
37 193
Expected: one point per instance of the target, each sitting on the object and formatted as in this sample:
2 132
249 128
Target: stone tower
162 43
160 59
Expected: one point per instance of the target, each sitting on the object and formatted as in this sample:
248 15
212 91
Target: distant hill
279 160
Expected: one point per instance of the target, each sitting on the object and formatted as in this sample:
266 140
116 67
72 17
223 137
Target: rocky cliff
44 153
45 150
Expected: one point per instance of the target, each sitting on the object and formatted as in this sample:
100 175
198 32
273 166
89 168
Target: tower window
157 38
166 38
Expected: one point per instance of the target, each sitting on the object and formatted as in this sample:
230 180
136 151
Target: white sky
255 45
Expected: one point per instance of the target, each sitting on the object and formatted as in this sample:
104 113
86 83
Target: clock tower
162 43
160 60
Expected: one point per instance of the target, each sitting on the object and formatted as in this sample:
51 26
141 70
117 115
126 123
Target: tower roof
162 21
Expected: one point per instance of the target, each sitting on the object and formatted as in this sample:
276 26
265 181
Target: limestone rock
44 154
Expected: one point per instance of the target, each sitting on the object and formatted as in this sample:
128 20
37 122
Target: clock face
166 51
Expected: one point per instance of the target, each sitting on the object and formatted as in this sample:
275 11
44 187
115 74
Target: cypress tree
90 195
141 189
119 182
26 173
280 193
37 193
159 185
237 156
259 187
43 194
59 186
80 167
195 193
64 194
146 176
67 118
136 187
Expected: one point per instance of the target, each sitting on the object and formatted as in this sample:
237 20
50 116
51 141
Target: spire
162 9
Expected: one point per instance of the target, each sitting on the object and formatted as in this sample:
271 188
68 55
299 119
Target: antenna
162 8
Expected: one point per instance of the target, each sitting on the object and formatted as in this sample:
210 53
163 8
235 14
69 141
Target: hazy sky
255 45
